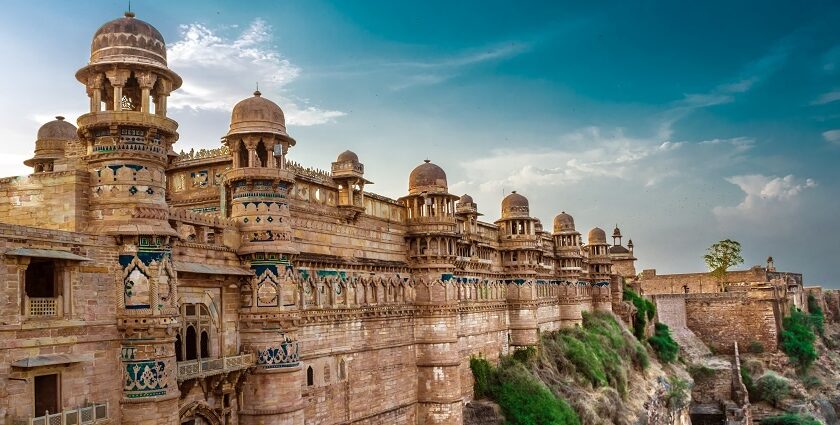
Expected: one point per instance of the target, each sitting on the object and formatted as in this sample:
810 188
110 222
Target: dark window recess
310 376
191 344
40 280
205 345
46 394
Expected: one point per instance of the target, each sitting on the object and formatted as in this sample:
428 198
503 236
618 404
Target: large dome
57 129
427 177
128 39
564 223
258 115
515 205
347 156
597 236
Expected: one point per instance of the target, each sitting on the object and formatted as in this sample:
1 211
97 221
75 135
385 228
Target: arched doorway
205 345
179 347
191 344
199 413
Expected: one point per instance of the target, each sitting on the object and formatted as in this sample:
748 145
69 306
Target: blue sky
685 123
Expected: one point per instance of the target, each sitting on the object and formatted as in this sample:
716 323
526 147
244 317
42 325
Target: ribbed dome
564 223
515 205
258 115
596 236
347 156
128 39
57 129
427 176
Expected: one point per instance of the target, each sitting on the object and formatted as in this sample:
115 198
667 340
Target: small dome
616 232
258 115
128 39
57 129
465 199
347 156
515 205
596 236
564 223
425 176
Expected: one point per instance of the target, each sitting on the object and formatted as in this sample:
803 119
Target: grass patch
700 372
678 392
523 398
789 419
755 347
663 344
772 388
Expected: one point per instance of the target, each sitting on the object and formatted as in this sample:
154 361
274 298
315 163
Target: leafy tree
721 256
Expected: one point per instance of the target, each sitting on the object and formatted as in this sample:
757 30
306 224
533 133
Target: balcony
96 413
44 307
202 368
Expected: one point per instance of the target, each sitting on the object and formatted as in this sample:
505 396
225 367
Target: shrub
700 372
645 311
789 419
755 347
483 376
798 339
752 392
772 388
666 348
523 398
811 382
524 355
816 316
678 394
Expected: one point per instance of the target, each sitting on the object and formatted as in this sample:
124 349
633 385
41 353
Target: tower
256 197
520 256
128 140
623 261
349 173
432 241
600 269
53 138
567 251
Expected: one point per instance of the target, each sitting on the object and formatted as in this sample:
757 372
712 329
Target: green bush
483 375
772 388
811 382
700 372
645 311
752 392
789 419
755 347
666 348
523 398
524 355
678 392
798 339
816 316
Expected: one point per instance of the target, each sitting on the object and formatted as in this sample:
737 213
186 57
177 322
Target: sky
682 122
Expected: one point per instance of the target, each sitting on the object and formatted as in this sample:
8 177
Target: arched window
310 376
205 345
243 155
191 344
262 154
179 347
342 370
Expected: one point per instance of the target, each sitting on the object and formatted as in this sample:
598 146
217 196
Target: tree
721 256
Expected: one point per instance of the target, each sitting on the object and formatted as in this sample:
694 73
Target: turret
349 173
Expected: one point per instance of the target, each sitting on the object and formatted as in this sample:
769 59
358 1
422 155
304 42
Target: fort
236 286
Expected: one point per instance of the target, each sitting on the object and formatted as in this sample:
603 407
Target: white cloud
832 136
764 195
827 97
219 71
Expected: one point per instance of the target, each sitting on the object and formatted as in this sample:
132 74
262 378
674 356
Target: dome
564 223
425 176
57 129
596 236
515 205
347 156
128 39
465 199
258 115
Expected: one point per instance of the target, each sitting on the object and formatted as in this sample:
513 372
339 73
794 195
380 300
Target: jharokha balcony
202 368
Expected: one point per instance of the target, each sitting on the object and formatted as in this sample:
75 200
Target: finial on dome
427 160
59 117
257 93
129 14
512 191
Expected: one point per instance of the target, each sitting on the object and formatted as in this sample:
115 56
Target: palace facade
235 286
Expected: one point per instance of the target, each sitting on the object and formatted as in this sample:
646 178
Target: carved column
146 81
118 77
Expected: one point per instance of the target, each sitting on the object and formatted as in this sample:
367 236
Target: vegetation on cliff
663 344
591 367
798 339
645 311
789 419
816 315
523 399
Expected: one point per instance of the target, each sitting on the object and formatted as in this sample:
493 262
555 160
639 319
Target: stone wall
55 200
724 318
652 283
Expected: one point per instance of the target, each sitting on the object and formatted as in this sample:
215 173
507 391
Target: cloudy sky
683 122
